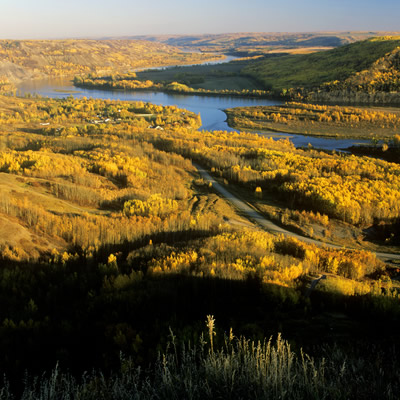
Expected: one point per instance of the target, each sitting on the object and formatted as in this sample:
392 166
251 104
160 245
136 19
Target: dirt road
268 225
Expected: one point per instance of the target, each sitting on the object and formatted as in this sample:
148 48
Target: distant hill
32 59
263 43
356 66
378 84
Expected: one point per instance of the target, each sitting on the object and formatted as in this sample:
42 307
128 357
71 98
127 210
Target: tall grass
239 369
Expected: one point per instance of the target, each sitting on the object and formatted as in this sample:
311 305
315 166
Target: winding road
268 225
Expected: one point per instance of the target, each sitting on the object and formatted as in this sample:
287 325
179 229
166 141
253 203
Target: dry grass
239 369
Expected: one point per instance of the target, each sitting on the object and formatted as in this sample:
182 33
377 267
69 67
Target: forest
309 71
371 123
208 84
110 239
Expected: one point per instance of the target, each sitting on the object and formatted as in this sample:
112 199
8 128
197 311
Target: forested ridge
368 66
373 124
364 72
32 59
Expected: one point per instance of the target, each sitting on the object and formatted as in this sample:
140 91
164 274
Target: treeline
128 82
358 190
125 152
382 76
320 113
318 120
369 66
108 177
56 117
271 259
6 87
98 168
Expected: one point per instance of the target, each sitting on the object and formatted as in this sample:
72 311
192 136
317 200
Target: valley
130 212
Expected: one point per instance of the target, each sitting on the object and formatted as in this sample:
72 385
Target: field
208 80
211 77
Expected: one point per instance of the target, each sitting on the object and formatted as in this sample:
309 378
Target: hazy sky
35 19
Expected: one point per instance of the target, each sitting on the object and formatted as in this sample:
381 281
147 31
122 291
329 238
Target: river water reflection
210 107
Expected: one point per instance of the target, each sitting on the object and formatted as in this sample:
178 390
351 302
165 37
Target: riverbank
173 88
319 120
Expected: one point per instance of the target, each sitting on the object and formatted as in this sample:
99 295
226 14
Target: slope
312 70
30 59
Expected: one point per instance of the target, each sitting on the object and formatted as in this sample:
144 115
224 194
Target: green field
211 77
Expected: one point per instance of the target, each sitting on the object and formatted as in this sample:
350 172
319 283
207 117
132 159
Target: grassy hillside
29 59
221 79
313 70
370 68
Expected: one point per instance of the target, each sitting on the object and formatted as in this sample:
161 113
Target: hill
33 59
250 44
378 84
312 70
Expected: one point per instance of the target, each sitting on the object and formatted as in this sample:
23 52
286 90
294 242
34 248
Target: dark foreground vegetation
235 368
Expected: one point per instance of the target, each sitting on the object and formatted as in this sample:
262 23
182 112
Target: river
210 108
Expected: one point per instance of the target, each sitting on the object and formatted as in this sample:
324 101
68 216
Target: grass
311 70
228 83
210 77
236 369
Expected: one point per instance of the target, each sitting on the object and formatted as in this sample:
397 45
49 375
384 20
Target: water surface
210 108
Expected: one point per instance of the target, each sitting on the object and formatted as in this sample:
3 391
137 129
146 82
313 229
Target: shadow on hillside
384 233
172 238
85 313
